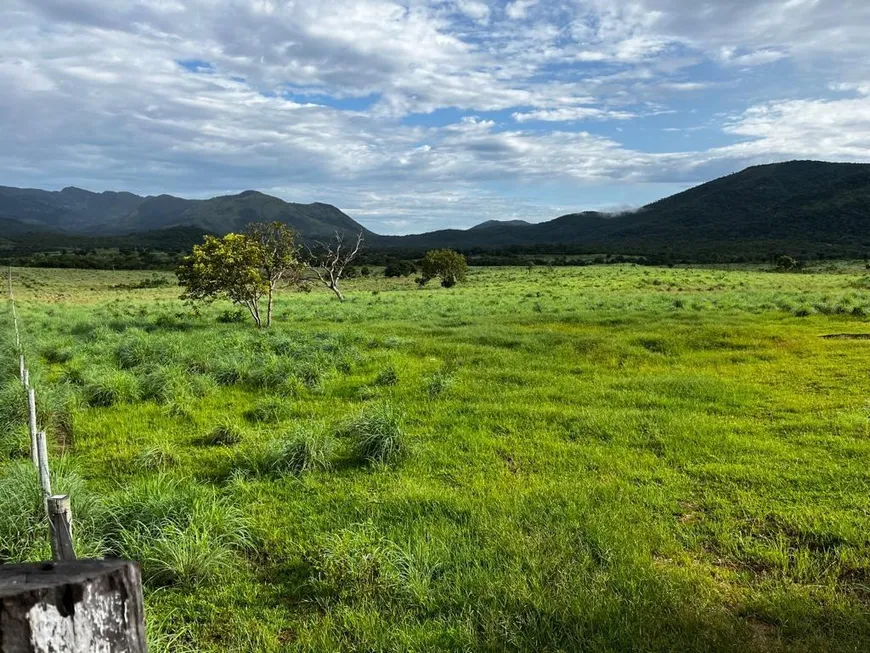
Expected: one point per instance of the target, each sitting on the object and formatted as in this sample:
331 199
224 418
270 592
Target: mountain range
800 207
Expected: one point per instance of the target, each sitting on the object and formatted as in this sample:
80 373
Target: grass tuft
377 435
301 452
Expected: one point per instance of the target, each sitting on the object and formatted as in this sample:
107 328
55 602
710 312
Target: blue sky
413 115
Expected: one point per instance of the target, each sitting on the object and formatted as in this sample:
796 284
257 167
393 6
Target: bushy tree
446 264
243 268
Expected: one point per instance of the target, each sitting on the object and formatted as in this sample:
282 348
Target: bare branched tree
329 260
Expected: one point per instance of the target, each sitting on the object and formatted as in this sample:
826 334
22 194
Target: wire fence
57 506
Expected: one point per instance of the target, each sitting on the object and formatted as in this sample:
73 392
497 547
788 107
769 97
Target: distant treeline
167 256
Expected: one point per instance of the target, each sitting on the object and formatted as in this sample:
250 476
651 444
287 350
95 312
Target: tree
330 259
242 268
450 266
787 264
279 257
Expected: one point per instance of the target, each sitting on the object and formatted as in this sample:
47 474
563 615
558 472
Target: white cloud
474 9
570 114
519 9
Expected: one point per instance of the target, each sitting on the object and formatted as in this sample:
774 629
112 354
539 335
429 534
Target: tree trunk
334 288
269 310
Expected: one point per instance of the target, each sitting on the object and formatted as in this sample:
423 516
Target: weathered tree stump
82 606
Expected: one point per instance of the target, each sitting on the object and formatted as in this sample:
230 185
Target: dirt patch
846 336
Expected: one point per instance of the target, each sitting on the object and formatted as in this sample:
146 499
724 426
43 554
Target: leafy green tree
446 264
243 268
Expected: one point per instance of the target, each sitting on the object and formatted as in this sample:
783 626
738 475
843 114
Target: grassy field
607 458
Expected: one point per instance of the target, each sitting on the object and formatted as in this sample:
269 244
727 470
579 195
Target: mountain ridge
809 208
80 212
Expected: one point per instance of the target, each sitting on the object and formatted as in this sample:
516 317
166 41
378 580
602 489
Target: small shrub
231 317
377 435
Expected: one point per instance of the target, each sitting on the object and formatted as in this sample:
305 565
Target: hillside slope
804 207
79 212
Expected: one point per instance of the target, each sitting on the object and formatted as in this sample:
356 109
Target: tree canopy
446 264
243 268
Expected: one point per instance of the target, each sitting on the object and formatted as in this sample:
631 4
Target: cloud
571 114
429 112
474 9
519 9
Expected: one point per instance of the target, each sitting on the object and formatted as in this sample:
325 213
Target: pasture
605 458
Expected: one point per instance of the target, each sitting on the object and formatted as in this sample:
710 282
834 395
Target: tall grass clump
184 534
23 525
13 406
377 435
268 411
165 383
154 458
136 349
439 383
387 376
225 434
110 387
299 452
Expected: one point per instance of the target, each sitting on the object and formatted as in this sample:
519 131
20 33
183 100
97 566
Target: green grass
607 458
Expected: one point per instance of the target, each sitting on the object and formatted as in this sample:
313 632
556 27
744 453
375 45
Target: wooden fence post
34 445
60 522
26 378
44 473
75 607
21 367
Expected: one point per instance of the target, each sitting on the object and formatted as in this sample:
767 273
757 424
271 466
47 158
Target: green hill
803 207
79 212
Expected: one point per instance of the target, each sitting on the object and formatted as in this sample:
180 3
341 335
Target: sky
412 115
